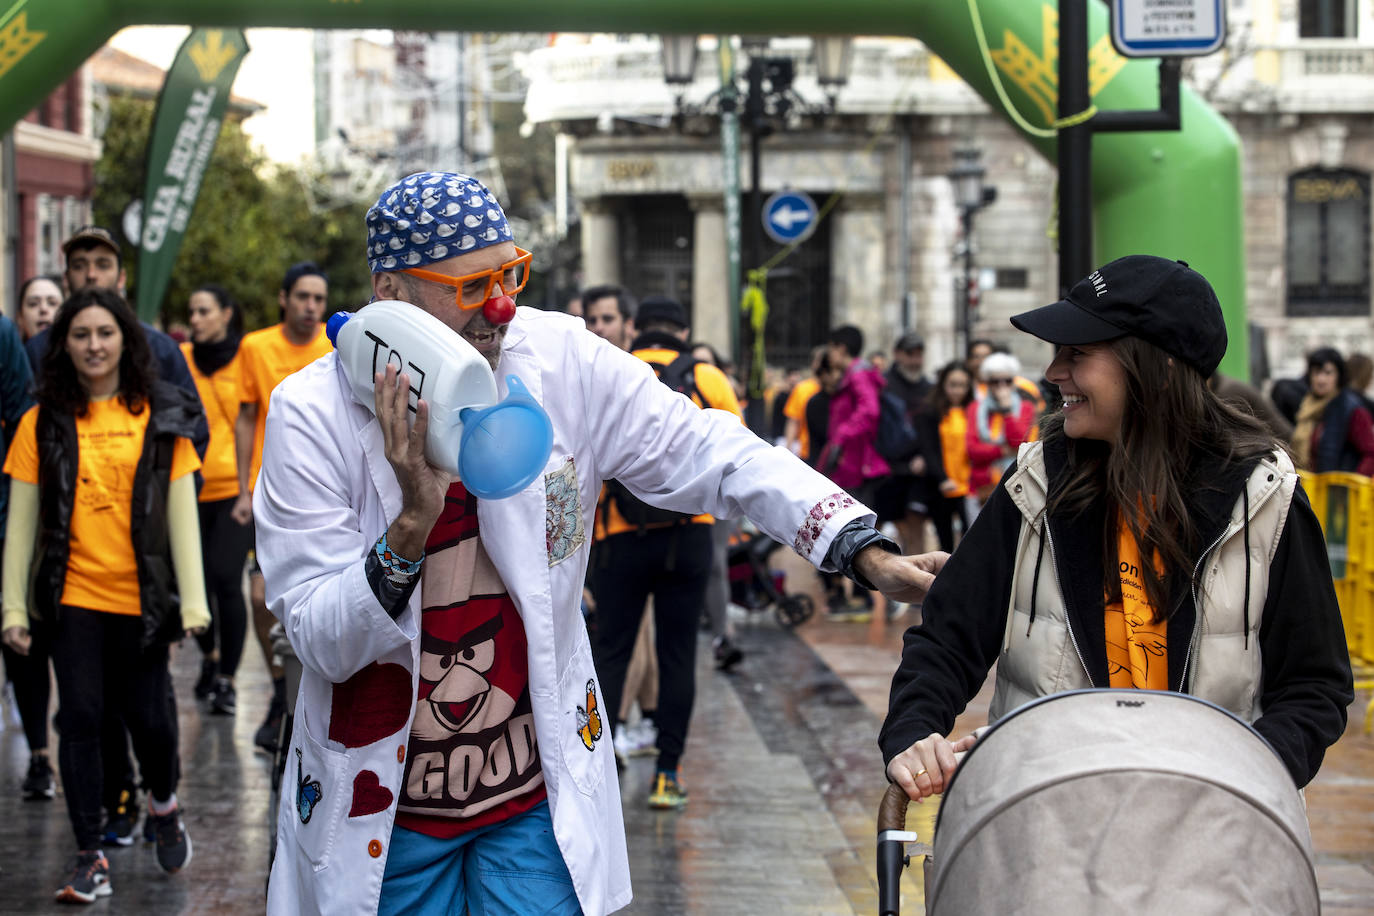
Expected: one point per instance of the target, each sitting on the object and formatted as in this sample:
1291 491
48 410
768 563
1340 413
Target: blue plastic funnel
504 446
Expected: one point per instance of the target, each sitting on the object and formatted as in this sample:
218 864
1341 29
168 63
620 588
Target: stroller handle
892 840
892 809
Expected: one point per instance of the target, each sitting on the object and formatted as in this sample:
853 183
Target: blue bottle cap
505 446
336 321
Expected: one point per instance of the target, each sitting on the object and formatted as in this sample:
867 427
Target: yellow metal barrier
1344 503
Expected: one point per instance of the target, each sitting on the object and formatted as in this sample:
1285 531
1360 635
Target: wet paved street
782 768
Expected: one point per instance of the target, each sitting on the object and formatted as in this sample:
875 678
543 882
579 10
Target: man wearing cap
670 560
451 740
903 497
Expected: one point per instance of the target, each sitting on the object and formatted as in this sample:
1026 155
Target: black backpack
896 440
679 375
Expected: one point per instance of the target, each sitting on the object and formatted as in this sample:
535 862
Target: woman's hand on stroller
926 767
900 578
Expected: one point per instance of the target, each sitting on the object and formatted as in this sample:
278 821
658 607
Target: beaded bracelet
394 563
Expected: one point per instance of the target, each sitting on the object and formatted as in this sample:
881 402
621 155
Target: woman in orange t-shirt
102 532
212 355
942 432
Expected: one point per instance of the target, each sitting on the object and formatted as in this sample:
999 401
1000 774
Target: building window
1328 242
1012 278
1326 18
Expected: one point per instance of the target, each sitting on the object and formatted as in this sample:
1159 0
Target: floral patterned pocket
563 529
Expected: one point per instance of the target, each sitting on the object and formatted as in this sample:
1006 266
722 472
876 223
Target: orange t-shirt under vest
102 572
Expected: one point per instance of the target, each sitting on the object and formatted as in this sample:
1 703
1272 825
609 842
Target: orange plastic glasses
472 290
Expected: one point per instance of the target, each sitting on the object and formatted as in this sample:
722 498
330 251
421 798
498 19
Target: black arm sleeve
1307 683
391 596
946 658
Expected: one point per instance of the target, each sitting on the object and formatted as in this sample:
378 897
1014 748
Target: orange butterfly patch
588 719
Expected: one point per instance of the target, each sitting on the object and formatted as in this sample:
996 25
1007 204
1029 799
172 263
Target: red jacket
985 456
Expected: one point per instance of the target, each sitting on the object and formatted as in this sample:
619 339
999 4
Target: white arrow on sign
786 217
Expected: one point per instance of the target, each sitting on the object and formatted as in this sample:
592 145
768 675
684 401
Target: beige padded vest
1222 667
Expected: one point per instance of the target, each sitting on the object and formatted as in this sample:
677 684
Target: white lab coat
326 493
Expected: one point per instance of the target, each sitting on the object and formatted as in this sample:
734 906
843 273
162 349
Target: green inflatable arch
1176 194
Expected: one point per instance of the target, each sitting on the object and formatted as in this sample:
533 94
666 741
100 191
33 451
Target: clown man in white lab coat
450 752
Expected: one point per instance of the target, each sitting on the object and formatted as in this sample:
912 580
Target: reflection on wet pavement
782 767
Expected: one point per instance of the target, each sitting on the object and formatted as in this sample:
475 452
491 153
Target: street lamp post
971 195
767 97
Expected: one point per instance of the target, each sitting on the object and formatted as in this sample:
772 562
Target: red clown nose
499 309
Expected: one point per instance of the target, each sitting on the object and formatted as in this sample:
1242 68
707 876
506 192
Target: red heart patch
369 795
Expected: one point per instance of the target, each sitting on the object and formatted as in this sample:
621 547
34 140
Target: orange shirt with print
102 572
1137 643
265 358
795 409
220 395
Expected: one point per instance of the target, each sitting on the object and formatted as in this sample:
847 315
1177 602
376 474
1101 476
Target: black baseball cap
660 308
1164 302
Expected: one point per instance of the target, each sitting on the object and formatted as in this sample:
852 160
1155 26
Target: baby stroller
1103 801
754 586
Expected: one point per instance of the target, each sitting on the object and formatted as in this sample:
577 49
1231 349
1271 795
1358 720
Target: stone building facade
647 183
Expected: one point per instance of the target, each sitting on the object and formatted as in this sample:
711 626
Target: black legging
32 686
224 547
99 663
672 564
943 511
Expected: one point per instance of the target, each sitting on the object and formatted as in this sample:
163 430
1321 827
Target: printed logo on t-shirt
472 741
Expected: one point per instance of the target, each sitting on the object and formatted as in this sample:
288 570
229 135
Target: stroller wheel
794 610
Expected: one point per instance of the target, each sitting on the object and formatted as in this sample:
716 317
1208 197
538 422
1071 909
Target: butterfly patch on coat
589 719
308 792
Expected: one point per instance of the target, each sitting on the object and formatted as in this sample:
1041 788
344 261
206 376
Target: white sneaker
637 740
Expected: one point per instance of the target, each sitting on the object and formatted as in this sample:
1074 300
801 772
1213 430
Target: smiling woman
1080 569
98 527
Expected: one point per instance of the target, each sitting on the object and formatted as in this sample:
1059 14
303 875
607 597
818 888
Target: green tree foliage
252 220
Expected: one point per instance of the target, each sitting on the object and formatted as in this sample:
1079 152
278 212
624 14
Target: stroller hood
1103 801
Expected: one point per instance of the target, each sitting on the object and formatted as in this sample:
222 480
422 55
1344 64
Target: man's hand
423 486
925 768
900 578
242 512
18 639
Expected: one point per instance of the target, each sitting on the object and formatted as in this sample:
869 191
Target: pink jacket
853 429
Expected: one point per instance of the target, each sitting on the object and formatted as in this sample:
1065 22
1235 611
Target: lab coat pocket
315 795
585 730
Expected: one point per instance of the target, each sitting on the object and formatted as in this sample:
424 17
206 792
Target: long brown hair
58 386
1172 425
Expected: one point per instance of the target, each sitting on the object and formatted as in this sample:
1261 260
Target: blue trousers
512 868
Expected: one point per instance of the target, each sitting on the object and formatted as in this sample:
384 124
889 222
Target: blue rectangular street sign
1168 28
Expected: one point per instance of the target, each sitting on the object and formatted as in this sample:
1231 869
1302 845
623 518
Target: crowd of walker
467 697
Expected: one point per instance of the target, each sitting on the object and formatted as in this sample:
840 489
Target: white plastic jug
510 441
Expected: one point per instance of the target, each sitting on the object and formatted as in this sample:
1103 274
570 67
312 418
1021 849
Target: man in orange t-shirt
265 358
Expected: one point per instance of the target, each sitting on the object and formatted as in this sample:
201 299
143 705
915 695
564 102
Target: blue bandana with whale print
430 217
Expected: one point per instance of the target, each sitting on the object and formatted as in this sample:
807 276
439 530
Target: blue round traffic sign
789 216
